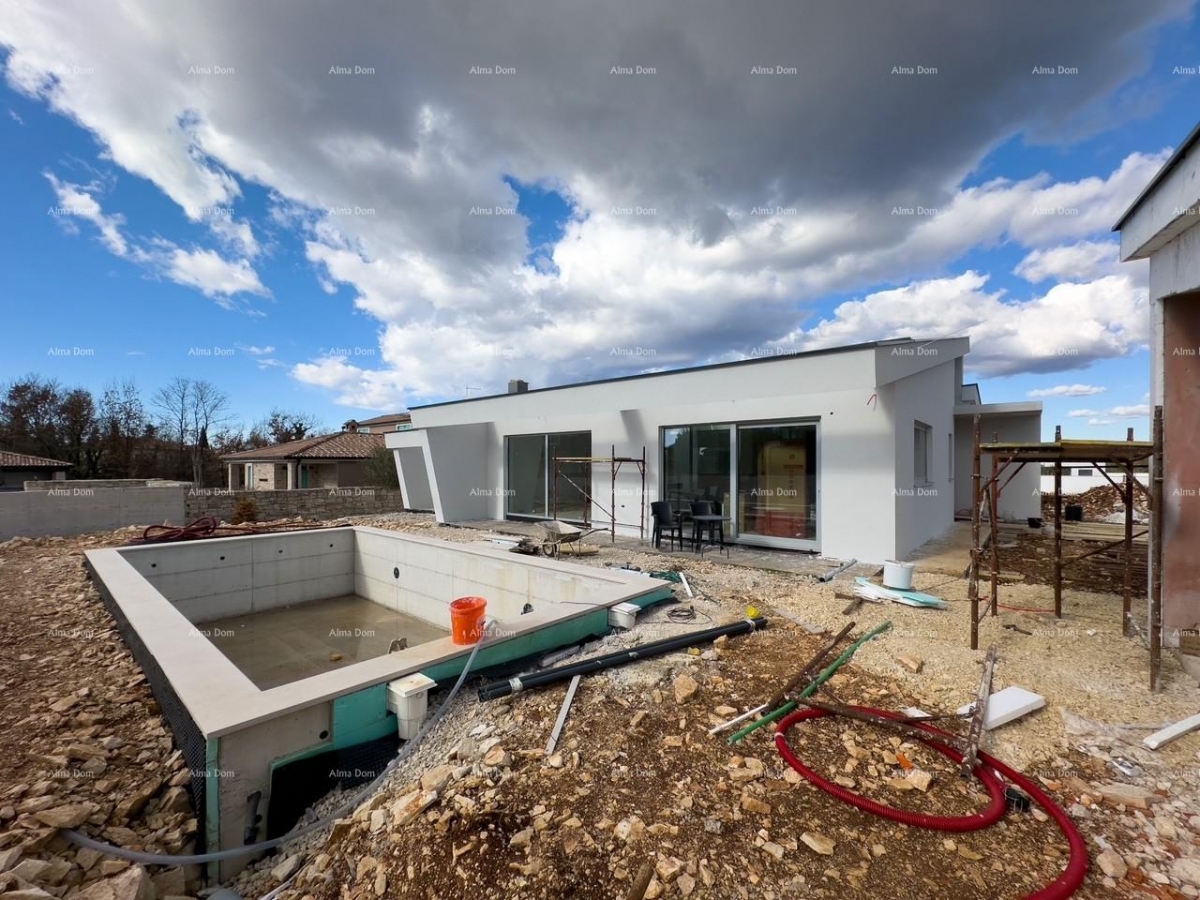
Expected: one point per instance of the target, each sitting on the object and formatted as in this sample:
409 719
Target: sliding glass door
697 464
764 475
531 488
777 483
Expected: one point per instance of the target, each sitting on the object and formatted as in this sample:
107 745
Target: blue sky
347 267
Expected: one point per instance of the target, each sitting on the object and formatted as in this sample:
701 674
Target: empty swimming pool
270 649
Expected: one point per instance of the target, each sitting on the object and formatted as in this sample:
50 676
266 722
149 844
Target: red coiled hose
1064 886
973 822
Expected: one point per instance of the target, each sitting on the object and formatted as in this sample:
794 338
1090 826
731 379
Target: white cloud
77 201
256 351
212 274
1068 390
1081 261
203 269
1107 318
1108 416
1140 411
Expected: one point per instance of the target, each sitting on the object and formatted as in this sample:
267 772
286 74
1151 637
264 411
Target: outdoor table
696 529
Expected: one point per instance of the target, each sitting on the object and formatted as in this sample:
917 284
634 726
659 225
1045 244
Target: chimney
517 386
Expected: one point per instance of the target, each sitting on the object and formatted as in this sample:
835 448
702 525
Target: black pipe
505 687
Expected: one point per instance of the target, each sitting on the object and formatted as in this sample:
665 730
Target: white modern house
1161 226
854 452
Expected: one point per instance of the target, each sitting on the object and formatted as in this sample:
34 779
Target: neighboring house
18 468
852 451
1161 226
380 424
328 461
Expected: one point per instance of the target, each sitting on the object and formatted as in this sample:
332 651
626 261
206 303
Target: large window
533 491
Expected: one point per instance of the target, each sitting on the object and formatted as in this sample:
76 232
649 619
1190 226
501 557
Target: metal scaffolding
1124 455
614 463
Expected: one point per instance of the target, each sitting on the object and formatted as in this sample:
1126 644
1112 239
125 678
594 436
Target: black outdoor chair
715 529
666 522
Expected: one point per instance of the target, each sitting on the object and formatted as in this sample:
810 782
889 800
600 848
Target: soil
1030 554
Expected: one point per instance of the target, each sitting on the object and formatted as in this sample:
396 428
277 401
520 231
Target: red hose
1064 886
973 822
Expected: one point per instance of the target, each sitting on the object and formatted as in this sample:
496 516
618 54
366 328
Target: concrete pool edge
221 699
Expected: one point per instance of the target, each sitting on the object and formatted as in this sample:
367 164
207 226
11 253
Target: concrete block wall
421 579
311 503
43 485
210 580
70 507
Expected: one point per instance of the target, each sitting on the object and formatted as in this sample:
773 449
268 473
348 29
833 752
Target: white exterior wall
1021 498
859 466
924 511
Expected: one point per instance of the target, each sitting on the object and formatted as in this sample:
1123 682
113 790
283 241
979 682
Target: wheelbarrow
561 535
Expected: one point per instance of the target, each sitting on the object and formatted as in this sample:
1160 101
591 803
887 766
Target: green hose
816 683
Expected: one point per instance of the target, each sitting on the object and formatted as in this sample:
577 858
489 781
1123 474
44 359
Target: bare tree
123 427
286 425
208 409
173 405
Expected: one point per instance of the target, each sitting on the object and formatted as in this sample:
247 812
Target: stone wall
319 503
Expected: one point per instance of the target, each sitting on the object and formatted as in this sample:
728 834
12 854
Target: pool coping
221 699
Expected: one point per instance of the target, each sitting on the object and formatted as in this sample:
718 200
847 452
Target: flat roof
824 351
1168 166
1020 407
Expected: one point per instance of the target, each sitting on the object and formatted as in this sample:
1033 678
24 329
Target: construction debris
1007 705
868 590
836 571
1179 729
562 715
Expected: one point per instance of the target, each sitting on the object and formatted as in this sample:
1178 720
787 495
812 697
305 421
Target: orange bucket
466 619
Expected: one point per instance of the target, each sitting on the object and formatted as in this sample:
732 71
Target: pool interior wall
165 594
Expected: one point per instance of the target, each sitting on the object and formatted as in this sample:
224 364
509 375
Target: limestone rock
1111 864
69 815
686 687
9 857
131 884
497 758
1187 870
29 893
287 868
919 779
1127 794
437 778
818 843
774 849
412 805
754 805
